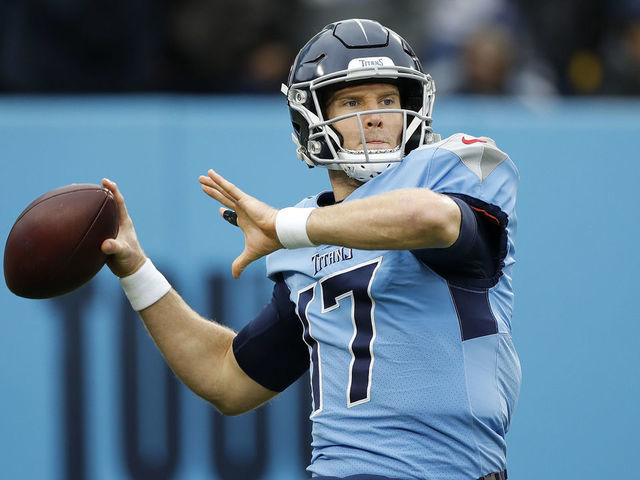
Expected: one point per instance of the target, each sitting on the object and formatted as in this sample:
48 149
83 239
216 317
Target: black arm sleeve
270 348
476 259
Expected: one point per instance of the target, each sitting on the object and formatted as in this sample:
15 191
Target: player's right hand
125 253
256 219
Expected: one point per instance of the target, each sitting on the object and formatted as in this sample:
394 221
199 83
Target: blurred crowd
484 47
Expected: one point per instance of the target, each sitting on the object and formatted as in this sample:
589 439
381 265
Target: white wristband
291 227
145 287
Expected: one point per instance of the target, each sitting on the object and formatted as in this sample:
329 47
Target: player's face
381 130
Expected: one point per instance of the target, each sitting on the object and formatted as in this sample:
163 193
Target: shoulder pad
479 154
311 201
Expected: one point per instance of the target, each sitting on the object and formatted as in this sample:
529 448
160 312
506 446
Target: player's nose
373 119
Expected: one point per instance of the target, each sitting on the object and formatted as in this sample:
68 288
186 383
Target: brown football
54 245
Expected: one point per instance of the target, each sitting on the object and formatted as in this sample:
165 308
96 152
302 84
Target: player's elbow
232 392
226 404
236 404
438 222
230 409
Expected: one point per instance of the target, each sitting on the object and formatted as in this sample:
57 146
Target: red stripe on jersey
484 212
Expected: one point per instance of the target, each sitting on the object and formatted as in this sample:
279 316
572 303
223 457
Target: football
54 245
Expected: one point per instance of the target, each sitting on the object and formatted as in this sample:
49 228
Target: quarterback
393 288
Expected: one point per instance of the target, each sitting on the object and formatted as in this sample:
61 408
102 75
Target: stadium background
84 394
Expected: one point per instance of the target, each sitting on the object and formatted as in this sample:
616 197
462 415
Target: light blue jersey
413 372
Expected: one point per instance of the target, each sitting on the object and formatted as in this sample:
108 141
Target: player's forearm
403 219
194 348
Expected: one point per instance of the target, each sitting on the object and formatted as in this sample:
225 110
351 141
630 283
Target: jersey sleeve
477 257
270 348
483 181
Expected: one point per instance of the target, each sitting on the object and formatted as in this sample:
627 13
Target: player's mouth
378 145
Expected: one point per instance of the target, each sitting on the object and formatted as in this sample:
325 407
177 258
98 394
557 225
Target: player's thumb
239 264
110 246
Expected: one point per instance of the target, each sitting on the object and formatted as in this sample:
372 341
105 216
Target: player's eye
388 101
350 103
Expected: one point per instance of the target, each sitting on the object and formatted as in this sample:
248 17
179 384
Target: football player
393 289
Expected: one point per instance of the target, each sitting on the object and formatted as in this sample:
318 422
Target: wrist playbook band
291 227
145 287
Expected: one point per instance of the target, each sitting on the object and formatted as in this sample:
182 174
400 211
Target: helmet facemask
324 146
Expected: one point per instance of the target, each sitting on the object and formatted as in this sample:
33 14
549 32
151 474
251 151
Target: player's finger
238 266
229 188
208 182
211 182
203 179
113 188
219 196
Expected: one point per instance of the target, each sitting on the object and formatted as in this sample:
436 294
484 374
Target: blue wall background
575 322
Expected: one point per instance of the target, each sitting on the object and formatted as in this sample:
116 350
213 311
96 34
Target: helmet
351 52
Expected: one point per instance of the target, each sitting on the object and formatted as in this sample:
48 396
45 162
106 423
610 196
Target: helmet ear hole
410 94
300 126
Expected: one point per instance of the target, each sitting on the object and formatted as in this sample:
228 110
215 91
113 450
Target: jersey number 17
354 282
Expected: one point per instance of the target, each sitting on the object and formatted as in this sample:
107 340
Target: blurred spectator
400 15
495 47
487 61
140 45
267 67
239 45
492 64
568 34
78 46
621 51
448 24
482 48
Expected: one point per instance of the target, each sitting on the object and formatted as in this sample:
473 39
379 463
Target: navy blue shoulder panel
270 348
476 259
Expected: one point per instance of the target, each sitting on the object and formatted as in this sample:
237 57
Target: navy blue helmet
351 52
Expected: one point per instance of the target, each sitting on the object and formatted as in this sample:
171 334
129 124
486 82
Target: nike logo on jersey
334 256
472 140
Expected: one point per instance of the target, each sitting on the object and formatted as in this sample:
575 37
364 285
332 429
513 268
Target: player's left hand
256 219
125 252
